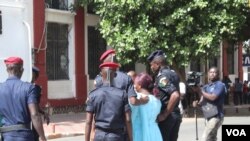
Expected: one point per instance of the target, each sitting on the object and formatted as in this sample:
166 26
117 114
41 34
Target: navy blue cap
35 69
155 54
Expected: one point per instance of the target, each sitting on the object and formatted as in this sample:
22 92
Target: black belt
14 127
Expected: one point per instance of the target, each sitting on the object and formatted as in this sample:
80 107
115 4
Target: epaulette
94 90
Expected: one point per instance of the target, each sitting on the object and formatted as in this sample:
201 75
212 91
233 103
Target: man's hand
46 118
161 117
195 103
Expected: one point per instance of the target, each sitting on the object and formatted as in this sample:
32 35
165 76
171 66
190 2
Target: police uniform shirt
124 82
167 81
121 81
38 91
109 105
15 96
98 81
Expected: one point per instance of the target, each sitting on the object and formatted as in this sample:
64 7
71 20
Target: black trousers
170 127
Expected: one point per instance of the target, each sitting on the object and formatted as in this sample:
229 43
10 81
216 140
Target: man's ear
21 69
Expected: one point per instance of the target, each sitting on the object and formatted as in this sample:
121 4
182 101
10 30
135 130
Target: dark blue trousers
108 136
170 127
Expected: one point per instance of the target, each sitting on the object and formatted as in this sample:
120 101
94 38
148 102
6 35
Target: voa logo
236 132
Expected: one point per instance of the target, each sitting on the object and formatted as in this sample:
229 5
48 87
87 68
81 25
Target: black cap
35 69
155 54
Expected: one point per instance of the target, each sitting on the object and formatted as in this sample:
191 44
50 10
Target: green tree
185 29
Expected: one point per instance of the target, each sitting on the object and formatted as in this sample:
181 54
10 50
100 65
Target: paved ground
61 125
187 130
72 124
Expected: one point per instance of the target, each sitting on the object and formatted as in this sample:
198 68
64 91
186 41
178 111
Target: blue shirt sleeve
32 95
90 103
219 89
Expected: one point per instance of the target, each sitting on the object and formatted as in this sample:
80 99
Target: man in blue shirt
212 93
18 105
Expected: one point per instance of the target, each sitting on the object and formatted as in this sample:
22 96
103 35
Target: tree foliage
185 29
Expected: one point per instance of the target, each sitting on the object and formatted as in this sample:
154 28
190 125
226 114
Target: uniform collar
164 67
12 78
161 69
212 83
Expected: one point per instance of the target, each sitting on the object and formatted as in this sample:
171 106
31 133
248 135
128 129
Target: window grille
57 4
57 62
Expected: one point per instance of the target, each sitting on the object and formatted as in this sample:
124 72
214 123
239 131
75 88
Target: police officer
167 89
19 106
121 80
110 107
35 75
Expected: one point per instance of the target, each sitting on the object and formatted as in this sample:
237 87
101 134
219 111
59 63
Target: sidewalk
73 124
65 125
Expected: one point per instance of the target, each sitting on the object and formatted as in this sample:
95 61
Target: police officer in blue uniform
110 107
38 89
18 105
167 89
121 80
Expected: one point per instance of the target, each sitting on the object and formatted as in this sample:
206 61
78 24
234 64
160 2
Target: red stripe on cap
106 53
109 65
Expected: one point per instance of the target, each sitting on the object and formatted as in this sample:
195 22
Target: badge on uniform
163 82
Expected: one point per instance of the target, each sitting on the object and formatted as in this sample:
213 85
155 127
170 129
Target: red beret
109 64
13 60
106 53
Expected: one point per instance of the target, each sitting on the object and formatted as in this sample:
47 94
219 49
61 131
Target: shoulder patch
163 82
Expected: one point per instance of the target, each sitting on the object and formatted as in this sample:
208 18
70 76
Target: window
213 63
57 62
57 4
195 66
230 58
96 46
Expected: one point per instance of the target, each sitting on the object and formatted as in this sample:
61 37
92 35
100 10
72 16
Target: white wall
16 38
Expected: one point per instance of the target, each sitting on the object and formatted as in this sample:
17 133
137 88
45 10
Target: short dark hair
15 69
